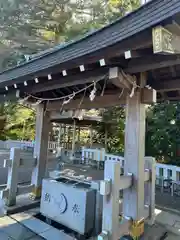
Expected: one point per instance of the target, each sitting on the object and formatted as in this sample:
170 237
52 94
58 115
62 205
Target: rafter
61 82
12 96
138 53
171 99
168 85
173 72
152 62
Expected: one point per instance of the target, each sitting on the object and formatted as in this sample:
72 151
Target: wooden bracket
121 79
149 96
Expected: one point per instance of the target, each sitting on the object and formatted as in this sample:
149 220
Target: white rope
93 93
120 95
66 99
132 82
36 103
68 96
133 90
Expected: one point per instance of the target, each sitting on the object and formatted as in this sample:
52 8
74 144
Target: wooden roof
133 33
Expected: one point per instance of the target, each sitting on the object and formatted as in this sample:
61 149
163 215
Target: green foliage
19 122
163 132
115 118
123 6
21 125
29 26
2 122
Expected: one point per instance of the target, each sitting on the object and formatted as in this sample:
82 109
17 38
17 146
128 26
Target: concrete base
23 203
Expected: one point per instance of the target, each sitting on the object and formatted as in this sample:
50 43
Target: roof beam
68 81
165 41
171 99
138 53
173 71
152 62
167 86
107 100
164 96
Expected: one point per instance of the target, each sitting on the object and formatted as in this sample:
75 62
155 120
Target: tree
28 27
162 132
115 118
123 7
2 122
16 122
20 122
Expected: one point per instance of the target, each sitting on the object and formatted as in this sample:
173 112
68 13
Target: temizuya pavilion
126 62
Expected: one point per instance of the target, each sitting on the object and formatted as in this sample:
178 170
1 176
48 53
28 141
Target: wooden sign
162 40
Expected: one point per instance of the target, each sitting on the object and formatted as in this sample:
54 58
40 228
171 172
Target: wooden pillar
133 198
68 131
91 136
59 136
64 136
79 134
73 140
40 149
